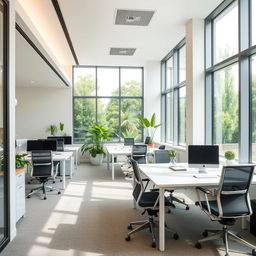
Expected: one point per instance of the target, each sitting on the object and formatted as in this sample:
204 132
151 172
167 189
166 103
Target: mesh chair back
139 153
233 194
42 164
162 156
138 188
147 140
128 141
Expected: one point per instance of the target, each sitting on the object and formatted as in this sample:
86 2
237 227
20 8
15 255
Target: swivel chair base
172 199
43 188
224 234
150 223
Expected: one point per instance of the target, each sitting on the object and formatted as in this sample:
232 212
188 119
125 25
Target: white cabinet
20 194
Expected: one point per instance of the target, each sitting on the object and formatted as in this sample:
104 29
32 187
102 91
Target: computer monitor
203 156
128 141
67 139
41 145
147 140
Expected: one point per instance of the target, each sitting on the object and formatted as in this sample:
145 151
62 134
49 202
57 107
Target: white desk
120 150
63 157
76 150
163 178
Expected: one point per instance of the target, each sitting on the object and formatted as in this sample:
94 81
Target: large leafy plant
21 161
149 125
96 135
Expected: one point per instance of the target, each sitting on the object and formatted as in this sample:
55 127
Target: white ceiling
31 69
92 30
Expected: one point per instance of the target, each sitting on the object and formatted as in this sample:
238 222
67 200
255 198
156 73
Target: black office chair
139 153
232 202
147 140
42 170
128 141
162 156
60 145
149 201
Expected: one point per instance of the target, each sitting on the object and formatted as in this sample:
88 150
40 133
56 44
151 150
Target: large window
111 96
253 79
174 96
230 66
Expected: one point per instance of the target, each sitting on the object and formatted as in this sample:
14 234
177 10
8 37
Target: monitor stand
202 170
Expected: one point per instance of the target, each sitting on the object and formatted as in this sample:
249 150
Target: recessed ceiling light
122 51
133 17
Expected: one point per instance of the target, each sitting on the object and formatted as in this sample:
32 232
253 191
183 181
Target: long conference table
164 178
114 150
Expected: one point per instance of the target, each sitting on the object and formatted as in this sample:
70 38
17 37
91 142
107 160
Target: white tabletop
71 147
60 156
123 150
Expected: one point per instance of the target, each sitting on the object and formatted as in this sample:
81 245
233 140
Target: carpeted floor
90 218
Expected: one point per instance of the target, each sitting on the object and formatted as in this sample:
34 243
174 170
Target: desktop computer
203 156
67 139
41 145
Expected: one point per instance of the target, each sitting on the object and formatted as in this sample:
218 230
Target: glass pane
182 116
253 60
131 109
169 73
182 64
226 116
169 117
226 33
2 160
108 81
108 115
253 27
131 82
84 117
84 79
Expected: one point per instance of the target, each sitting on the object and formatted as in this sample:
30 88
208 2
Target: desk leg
113 167
70 167
63 174
107 160
76 158
161 220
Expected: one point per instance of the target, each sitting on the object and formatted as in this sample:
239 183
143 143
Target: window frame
177 85
119 97
245 51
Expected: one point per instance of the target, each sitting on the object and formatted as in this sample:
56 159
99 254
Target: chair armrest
204 190
145 179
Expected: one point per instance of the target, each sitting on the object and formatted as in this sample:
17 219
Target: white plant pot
230 162
97 160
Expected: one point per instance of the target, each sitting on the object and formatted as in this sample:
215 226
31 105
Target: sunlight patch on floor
43 240
111 193
56 219
75 189
69 204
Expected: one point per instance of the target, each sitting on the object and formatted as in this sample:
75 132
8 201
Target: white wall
152 93
37 108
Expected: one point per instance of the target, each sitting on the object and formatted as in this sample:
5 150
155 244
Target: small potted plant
61 125
230 156
53 129
95 137
20 161
172 154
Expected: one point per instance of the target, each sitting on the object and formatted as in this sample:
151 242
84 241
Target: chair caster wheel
253 252
128 238
205 233
197 203
28 196
153 244
129 227
31 190
176 236
29 182
187 208
45 197
59 193
51 190
169 211
198 245
60 180
53 181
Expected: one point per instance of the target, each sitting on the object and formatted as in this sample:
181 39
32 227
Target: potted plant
150 126
172 154
52 129
95 137
61 125
20 161
230 156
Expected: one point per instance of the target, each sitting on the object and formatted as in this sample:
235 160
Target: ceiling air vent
133 17
122 51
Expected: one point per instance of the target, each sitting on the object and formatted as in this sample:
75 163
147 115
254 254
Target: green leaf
153 120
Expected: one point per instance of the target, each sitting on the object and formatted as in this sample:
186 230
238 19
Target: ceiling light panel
133 17
122 51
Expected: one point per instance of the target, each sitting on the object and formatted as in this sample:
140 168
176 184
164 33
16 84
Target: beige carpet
90 219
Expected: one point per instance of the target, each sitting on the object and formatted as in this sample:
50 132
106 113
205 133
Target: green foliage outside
94 139
107 108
